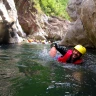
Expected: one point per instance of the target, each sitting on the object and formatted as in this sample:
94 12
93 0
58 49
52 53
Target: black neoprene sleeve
59 48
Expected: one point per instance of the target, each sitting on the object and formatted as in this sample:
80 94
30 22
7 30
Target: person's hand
54 45
53 52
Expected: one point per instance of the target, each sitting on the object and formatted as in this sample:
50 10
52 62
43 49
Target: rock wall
83 26
80 30
56 28
30 19
10 29
37 25
88 18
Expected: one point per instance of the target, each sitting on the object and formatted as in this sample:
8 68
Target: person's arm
53 52
59 48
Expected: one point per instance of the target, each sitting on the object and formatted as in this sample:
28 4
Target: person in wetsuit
68 56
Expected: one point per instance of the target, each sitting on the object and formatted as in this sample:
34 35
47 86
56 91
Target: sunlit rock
10 29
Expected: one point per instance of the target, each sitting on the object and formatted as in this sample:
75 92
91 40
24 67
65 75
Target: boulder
88 19
56 28
82 28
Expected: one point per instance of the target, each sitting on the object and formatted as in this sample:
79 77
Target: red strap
78 62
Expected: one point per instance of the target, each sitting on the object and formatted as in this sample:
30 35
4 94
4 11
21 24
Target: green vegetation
53 7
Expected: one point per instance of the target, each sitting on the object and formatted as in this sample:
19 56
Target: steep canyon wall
10 29
20 19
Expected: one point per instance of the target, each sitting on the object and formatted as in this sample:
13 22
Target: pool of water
28 70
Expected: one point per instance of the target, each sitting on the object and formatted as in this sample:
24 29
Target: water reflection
27 70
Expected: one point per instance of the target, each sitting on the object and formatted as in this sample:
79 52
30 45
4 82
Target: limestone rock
74 9
83 28
88 18
56 28
29 19
80 30
75 35
10 29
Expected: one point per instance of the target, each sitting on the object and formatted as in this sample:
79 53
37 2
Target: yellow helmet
80 48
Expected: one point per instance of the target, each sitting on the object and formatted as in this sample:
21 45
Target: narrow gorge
20 20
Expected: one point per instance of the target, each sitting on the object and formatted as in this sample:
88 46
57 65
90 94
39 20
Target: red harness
64 58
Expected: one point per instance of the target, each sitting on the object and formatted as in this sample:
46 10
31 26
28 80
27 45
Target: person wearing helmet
68 56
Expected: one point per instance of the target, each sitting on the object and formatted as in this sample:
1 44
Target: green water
28 70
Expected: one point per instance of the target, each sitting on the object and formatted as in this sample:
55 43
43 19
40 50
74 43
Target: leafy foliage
53 7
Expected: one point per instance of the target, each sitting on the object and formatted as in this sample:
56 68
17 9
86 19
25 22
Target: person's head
78 51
